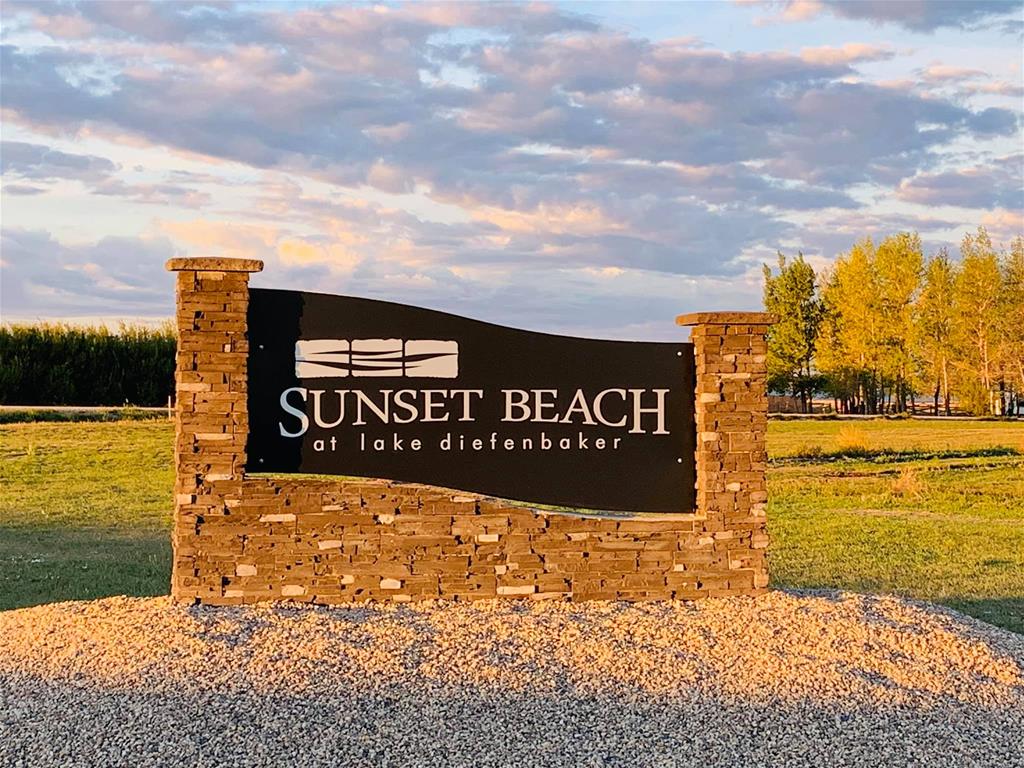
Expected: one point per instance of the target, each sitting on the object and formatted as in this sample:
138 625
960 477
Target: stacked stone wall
342 541
732 422
242 538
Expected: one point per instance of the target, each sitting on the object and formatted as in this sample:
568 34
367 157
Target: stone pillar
211 419
732 421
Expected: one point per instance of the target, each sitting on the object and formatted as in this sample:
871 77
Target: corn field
59 364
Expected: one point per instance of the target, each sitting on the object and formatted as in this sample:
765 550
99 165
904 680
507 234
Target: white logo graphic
414 358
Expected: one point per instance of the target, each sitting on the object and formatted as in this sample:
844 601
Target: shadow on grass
1005 612
48 565
126 413
816 455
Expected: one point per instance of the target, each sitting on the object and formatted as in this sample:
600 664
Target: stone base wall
319 541
240 539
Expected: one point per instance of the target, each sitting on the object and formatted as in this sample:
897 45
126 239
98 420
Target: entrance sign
350 386
456 433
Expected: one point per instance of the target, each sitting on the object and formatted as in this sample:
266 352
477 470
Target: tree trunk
986 374
1017 392
945 384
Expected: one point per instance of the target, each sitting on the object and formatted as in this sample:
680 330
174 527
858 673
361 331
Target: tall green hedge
58 364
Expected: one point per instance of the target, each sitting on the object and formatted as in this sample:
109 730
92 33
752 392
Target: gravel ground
787 679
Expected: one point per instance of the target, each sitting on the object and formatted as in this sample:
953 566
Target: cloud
1004 224
485 156
847 54
998 184
999 88
42 164
1013 27
338 94
220 238
321 250
154 194
915 15
647 234
22 190
43 277
825 237
924 15
941 73
967 81
36 162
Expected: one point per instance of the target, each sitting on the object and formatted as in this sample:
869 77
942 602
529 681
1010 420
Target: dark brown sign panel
348 386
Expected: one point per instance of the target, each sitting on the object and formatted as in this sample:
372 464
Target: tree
977 302
849 348
1011 346
897 266
934 323
884 324
792 297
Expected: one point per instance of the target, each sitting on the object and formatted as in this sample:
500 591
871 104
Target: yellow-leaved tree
978 299
898 263
1011 347
934 322
867 341
847 349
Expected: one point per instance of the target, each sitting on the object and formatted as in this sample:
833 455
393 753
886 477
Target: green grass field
928 509
932 510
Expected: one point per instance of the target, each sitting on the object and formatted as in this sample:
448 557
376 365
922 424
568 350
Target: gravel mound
788 679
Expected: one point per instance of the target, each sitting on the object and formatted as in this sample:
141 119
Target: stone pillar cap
726 318
214 265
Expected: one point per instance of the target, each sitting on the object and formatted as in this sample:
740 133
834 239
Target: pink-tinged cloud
849 53
1004 225
997 184
941 73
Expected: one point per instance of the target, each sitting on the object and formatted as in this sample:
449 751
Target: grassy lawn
85 510
932 510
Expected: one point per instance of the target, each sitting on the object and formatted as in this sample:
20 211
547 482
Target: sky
584 168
